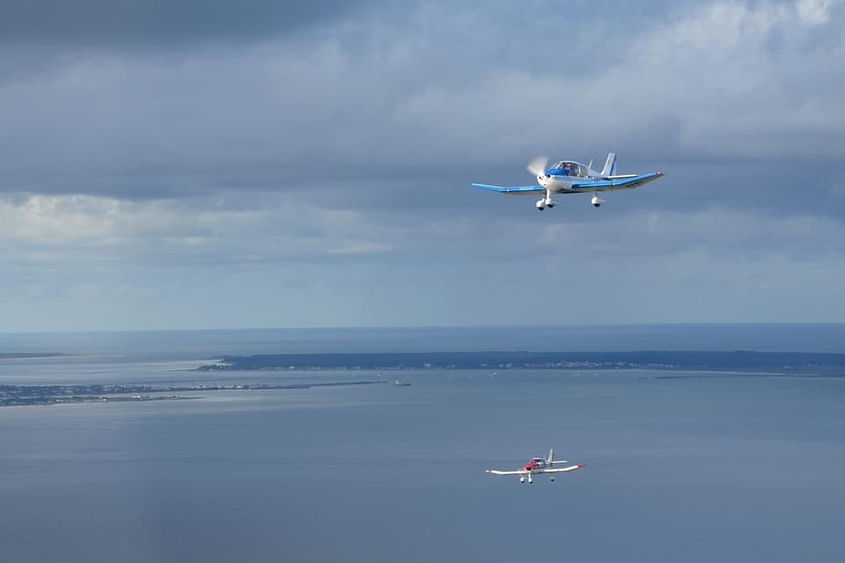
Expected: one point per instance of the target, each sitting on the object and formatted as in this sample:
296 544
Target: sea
700 466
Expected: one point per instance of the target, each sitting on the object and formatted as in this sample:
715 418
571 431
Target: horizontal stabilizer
631 181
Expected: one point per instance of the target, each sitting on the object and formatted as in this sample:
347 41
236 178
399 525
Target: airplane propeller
538 165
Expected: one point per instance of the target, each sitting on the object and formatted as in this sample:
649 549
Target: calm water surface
691 469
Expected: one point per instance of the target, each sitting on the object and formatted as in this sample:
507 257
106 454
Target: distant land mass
29 395
30 355
781 362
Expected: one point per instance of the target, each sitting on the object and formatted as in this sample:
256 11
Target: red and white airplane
538 466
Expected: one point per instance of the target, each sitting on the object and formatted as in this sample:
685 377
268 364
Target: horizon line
431 327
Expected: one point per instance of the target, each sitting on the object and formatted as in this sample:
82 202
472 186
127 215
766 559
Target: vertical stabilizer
609 165
551 457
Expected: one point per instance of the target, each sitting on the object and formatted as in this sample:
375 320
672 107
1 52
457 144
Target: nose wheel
544 203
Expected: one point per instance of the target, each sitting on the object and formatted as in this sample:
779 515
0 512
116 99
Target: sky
224 164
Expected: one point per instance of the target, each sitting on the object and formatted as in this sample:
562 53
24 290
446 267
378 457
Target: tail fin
551 457
609 165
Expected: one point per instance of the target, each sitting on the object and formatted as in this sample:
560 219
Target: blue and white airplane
570 177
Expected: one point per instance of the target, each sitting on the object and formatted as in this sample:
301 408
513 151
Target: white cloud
814 11
40 228
727 78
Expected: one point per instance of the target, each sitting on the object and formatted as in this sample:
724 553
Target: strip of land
28 395
30 355
778 362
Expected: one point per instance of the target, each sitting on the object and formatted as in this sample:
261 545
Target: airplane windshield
571 168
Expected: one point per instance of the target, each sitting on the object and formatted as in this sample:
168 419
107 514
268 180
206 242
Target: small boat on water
400 383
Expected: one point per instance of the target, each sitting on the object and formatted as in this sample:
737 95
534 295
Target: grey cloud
121 23
479 268
432 97
333 167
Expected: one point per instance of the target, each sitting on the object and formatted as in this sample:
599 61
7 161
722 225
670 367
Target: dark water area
685 469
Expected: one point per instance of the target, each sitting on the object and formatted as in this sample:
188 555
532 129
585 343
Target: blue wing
622 184
511 189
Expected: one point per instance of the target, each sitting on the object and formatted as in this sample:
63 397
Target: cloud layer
310 167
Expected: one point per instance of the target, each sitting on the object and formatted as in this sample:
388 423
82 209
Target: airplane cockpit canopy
570 168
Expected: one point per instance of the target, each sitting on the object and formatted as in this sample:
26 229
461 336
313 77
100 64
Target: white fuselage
558 180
